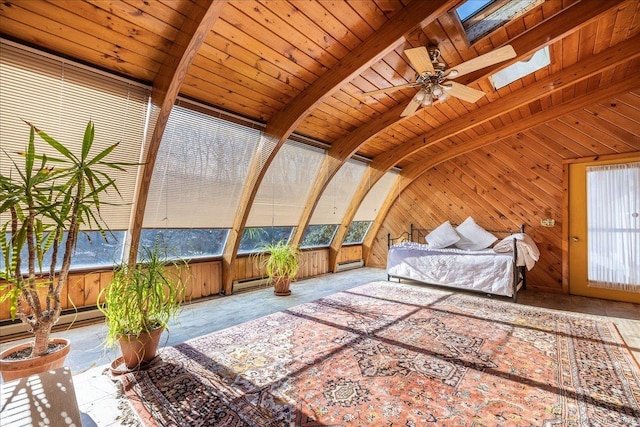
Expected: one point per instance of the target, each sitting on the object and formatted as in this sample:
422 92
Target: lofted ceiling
301 67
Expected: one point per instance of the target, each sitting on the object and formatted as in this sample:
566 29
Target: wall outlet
548 222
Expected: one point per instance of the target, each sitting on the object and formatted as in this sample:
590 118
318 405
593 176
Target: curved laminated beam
416 170
558 26
284 122
166 87
608 59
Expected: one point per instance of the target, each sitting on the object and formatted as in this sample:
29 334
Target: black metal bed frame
519 272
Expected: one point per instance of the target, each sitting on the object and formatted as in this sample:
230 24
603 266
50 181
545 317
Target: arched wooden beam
416 170
606 60
284 122
337 155
166 87
556 27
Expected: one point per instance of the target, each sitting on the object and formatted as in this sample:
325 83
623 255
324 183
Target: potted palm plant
140 301
280 262
44 203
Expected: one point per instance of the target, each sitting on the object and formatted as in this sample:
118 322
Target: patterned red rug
388 354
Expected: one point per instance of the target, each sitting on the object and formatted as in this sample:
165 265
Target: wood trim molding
166 87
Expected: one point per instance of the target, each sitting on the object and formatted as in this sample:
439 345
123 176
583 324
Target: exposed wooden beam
560 25
416 170
284 122
606 60
166 87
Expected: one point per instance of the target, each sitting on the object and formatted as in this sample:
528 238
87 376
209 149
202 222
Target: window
318 236
255 238
338 195
92 250
200 171
516 71
283 192
357 231
186 243
480 17
613 220
60 97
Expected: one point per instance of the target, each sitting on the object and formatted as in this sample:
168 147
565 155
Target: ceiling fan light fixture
437 90
452 73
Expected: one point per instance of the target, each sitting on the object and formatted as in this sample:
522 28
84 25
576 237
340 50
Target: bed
496 270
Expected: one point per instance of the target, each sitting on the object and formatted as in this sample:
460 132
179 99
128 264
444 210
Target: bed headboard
418 234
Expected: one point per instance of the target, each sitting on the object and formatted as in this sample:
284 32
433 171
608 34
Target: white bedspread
528 252
485 271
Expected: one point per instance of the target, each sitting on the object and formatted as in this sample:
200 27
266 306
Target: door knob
575 239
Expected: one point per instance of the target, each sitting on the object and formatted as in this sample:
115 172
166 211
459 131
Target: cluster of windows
201 170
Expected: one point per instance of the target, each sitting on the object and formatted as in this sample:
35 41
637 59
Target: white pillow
473 237
442 236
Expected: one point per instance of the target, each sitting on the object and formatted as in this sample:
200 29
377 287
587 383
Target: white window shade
200 171
369 207
60 98
339 193
285 187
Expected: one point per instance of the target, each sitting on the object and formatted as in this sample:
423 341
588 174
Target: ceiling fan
432 76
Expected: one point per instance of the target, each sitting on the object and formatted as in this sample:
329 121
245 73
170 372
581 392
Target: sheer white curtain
613 218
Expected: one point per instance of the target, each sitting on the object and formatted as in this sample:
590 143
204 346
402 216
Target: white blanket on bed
527 249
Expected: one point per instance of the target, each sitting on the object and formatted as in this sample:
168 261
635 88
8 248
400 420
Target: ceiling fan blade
420 59
414 103
465 93
493 57
387 89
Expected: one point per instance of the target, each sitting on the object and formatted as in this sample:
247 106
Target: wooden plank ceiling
301 66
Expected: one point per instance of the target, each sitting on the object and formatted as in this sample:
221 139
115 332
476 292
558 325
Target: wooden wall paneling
556 138
91 288
250 32
74 294
608 143
587 141
350 253
617 138
108 26
105 279
106 60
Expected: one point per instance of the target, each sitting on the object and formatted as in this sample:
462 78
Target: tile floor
97 394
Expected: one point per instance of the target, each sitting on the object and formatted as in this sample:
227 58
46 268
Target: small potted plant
139 303
45 202
280 262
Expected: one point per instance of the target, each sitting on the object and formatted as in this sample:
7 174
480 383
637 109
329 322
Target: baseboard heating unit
342 266
245 284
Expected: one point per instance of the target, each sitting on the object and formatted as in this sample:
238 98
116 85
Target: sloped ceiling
302 66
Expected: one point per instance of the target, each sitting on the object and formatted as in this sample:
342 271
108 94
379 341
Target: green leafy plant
280 260
43 202
144 296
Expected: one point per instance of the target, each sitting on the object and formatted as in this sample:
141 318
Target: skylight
480 17
516 71
470 8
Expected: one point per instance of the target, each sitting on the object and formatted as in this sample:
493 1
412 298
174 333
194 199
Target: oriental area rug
389 354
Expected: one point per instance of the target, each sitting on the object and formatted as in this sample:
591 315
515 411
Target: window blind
285 187
200 171
369 207
339 194
60 97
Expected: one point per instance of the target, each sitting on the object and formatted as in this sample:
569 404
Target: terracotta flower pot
20 368
140 349
281 285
